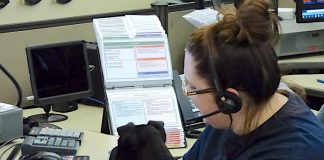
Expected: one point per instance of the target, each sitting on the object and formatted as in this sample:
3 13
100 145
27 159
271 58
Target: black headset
3 3
42 156
227 102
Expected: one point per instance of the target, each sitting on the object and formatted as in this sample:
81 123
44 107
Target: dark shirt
293 133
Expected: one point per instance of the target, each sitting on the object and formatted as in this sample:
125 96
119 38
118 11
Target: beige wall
17 12
12 44
13 55
179 32
286 3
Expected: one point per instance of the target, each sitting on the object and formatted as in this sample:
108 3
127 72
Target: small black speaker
31 2
3 3
62 1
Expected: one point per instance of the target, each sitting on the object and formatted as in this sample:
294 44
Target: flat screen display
310 11
59 72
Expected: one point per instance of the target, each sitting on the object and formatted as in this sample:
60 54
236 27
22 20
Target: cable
11 140
192 133
95 100
8 150
231 118
14 152
213 5
13 80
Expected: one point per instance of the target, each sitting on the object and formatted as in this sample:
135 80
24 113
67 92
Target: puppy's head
140 140
131 136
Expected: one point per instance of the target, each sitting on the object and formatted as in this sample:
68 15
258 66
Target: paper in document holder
136 65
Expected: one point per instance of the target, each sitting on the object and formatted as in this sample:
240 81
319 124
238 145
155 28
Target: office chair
320 114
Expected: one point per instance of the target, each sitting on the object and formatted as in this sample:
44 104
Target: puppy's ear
126 128
159 125
156 124
113 153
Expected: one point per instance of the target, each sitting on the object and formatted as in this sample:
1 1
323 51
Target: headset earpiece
229 103
226 101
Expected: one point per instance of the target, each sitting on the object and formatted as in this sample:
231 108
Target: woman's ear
232 90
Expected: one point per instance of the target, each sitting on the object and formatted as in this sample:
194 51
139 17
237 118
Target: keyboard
60 141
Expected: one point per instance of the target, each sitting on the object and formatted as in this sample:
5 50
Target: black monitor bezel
64 97
300 6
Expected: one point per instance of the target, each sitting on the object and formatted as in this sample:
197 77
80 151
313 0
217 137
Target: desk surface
309 82
86 118
302 62
95 144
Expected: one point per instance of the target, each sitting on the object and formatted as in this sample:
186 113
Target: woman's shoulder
294 130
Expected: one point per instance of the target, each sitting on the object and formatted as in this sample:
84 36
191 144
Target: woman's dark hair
241 45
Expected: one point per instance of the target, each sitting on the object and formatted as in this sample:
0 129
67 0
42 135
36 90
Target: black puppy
141 142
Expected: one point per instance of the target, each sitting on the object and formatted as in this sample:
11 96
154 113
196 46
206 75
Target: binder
137 71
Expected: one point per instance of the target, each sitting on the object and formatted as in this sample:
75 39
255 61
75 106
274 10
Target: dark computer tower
96 76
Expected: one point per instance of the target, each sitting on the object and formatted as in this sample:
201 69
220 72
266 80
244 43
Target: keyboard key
71 143
69 134
64 143
51 141
76 134
41 140
57 132
63 133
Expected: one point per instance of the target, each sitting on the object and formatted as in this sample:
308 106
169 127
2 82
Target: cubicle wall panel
179 33
13 54
17 12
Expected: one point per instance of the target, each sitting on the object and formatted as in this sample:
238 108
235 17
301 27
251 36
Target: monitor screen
59 72
309 11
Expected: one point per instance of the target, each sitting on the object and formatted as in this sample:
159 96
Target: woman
268 124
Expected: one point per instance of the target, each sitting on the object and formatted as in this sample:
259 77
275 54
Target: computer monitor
59 75
309 11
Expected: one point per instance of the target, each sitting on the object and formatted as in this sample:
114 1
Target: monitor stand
276 7
47 117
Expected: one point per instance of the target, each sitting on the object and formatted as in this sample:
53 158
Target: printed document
203 17
137 71
140 105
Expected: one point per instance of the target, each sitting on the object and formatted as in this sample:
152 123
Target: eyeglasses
188 91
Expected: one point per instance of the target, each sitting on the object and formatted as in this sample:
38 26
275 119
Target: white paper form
137 71
124 61
113 27
145 25
202 17
139 105
134 51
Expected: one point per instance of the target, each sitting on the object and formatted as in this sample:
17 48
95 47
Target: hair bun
256 22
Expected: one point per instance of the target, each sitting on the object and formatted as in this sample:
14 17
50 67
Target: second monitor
59 75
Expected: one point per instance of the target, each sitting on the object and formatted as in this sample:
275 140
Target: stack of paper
203 17
111 27
136 65
148 25
129 26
